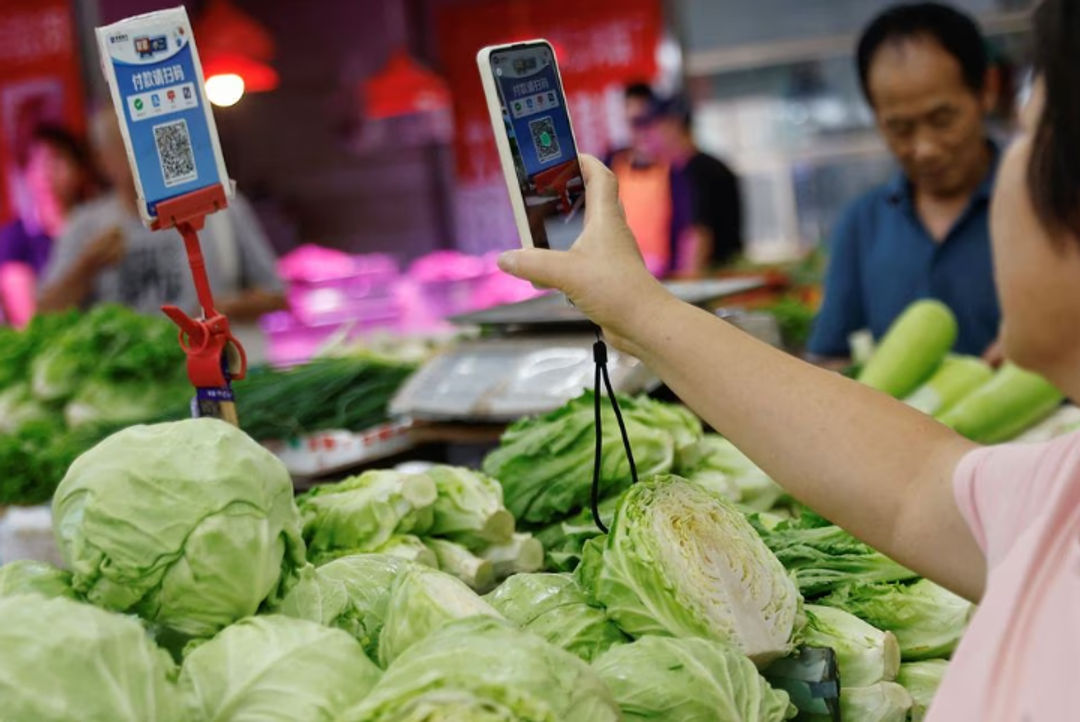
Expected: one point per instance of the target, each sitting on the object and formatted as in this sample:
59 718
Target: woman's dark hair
1053 172
953 30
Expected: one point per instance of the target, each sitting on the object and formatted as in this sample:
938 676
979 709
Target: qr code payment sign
544 139
175 153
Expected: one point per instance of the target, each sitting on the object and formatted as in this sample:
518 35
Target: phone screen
545 155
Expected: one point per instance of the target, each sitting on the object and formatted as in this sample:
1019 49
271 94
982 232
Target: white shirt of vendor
154 270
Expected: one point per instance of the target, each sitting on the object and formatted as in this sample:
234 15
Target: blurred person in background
644 182
58 176
106 254
705 228
924 71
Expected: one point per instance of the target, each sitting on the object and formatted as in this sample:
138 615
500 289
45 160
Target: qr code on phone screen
544 139
174 149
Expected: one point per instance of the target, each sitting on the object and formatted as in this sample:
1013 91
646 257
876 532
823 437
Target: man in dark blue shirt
924 70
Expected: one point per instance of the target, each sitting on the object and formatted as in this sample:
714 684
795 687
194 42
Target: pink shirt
1020 658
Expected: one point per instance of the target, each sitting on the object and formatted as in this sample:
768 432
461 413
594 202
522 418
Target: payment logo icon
155 100
528 103
138 104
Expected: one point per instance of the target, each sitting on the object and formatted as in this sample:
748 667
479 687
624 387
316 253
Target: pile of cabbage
197 587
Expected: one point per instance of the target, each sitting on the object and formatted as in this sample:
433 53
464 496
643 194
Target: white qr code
174 150
544 139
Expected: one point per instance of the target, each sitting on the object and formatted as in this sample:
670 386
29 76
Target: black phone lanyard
600 358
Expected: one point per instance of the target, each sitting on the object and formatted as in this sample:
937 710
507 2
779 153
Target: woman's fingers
601 188
542 267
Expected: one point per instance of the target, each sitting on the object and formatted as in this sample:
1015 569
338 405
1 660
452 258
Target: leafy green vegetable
523 554
409 547
921 680
18 348
927 620
123 366
957 377
27 576
677 420
110 343
864 654
421 601
363 512
118 403
555 607
63 660
796 321
455 559
564 540
545 463
350 392
826 557
881 702
351 593
681 561
189 524
715 463
912 348
469 507
482 670
689 680
275 668
1005 406
19 407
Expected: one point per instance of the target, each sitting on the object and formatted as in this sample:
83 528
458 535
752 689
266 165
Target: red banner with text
40 82
601 46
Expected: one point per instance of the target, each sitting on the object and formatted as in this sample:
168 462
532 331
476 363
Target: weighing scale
532 357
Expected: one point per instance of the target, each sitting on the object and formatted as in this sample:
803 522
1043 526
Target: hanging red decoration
404 87
231 42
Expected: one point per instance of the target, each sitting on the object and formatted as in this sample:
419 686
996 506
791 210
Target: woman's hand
603 273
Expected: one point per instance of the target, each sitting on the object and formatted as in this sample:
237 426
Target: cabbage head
275 669
351 593
63 660
554 607
422 600
27 576
881 702
564 540
921 680
865 655
823 556
481 669
545 463
190 524
364 512
689 680
716 464
469 508
683 562
928 620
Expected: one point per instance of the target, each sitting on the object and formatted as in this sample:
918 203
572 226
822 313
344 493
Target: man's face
637 118
930 119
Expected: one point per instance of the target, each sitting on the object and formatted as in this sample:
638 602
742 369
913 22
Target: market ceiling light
225 90
234 45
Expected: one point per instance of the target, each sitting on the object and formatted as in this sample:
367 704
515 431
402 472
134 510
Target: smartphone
536 143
